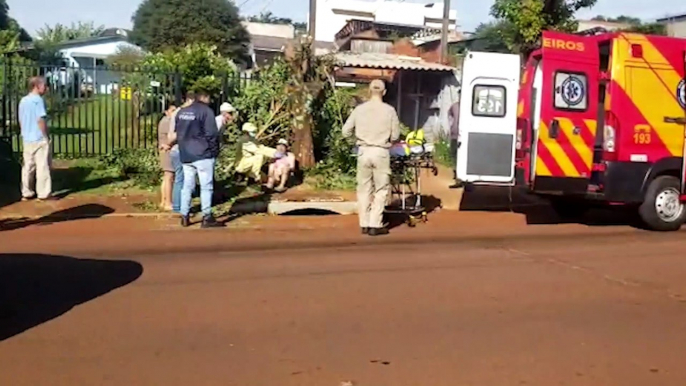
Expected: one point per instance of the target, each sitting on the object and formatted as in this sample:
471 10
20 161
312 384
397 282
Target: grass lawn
97 126
89 177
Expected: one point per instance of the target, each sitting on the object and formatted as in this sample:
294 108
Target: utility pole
444 30
313 19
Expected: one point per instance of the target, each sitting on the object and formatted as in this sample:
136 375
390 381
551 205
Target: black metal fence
94 110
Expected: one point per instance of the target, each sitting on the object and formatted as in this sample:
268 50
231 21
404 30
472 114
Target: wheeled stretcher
407 163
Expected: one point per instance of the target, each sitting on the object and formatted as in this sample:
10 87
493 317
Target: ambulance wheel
662 209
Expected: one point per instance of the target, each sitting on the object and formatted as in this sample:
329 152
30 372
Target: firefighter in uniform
376 127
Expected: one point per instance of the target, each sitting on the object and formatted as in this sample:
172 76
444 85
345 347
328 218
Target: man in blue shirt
35 177
198 138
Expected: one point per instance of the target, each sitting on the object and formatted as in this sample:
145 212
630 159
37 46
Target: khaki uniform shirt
374 124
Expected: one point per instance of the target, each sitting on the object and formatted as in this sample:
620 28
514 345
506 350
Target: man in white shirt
225 117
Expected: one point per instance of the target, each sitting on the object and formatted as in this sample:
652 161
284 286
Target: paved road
546 305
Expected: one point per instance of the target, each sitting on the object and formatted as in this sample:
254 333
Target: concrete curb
251 207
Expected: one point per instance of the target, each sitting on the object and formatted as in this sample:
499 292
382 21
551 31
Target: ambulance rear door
488 118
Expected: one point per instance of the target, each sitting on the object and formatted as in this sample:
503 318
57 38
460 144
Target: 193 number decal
642 135
489 106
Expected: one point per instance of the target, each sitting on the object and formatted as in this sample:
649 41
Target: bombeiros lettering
561 44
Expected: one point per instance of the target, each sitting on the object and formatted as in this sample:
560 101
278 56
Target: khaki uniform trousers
36 170
373 185
251 166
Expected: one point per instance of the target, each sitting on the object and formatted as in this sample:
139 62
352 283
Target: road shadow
538 210
87 211
36 288
244 206
394 219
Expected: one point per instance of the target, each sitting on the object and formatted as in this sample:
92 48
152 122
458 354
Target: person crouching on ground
198 139
376 127
280 170
252 156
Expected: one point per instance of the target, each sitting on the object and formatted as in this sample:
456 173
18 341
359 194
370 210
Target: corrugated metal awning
387 61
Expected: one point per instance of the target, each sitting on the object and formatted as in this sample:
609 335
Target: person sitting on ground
251 155
280 170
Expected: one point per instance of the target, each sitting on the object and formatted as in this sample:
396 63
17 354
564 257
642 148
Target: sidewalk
435 188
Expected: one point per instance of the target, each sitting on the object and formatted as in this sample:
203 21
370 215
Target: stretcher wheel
434 170
411 222
425 217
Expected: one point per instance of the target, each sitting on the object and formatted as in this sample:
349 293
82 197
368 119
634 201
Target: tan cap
377 85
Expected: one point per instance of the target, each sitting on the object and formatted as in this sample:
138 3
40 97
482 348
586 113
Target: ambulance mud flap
488 119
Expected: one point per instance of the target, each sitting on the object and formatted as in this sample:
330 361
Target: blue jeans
178 180
204 169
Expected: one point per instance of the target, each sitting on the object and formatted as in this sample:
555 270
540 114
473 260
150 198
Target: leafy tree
11 34
636 25
490 37
649 29
159 25
60 33
529 18
310 75
201 66
269 18
619 19
126 56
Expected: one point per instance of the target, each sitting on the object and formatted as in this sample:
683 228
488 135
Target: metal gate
94 110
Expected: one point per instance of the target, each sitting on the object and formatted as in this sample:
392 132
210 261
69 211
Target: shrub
442 153
140 165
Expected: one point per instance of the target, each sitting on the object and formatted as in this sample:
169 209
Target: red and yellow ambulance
597 118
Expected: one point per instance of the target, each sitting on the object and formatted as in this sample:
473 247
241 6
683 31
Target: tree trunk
303 144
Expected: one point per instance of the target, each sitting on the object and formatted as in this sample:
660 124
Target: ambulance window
571 91
489 101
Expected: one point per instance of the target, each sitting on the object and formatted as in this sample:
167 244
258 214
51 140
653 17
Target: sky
34 14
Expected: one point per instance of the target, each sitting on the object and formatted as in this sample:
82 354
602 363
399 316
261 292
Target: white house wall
99 51
84 57
332 15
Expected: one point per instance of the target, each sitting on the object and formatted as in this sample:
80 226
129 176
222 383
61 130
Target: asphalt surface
504 303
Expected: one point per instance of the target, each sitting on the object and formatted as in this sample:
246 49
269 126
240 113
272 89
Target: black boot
185 221
378 231
211 222
365 230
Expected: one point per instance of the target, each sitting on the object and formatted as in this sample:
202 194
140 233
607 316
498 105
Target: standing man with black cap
198 139
376 127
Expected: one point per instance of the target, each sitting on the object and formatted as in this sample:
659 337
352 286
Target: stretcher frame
406 187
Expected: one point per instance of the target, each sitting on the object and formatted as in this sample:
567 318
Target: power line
269 2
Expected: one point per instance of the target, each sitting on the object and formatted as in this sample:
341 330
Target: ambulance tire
657 211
